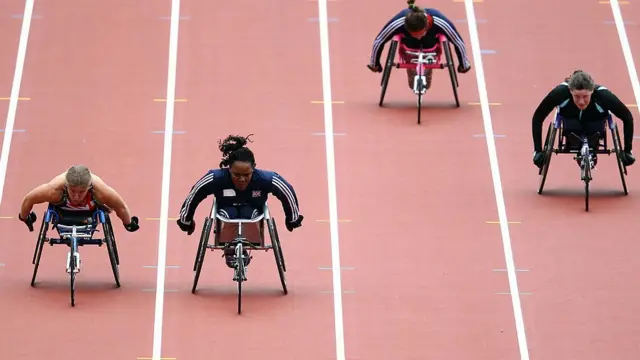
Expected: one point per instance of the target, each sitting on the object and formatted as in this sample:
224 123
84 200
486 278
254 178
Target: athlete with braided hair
419 27
240 190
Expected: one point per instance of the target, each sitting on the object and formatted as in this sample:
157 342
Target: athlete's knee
228 213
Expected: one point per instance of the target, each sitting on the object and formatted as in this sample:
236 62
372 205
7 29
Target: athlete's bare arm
49 192
109 197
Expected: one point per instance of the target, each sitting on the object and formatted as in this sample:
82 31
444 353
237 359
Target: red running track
422 279
91 73
581 300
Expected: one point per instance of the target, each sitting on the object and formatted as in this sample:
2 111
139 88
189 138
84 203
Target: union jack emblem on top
256 193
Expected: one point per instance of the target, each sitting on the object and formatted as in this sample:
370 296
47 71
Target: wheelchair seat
252 229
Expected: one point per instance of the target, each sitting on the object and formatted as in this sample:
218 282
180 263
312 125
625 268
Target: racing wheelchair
582 153
243 235
426 59
76 229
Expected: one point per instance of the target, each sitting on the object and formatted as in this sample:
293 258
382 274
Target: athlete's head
238 158
581 86
417 22
78 181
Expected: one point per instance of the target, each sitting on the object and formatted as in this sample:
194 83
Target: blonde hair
78 175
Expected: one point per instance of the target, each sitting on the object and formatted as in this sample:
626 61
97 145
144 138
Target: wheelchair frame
433 61
75 236
215 222
556 130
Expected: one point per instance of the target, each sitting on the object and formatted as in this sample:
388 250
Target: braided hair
233 149
416 19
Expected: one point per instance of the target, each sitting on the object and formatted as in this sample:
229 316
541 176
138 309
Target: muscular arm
554 98
109 197
204 187
282 190
390 29
449 30
41 194
622 112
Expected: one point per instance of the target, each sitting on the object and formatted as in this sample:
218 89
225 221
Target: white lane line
15 92
497 183
331 178
166 178
626 48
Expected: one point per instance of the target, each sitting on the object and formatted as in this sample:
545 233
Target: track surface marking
235 88
583 301
418 239
91 73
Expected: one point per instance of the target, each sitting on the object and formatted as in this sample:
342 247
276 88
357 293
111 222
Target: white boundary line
626 48
15 92
497 184
331 178
166 178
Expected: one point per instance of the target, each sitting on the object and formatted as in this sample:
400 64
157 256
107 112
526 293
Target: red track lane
424 285
92 74
266 89
584 298
632 20
9 36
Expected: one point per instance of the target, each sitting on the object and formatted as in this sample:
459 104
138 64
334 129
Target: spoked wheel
277 252
548 152
201 252
586 177
42 236
586 195
112 250
617 145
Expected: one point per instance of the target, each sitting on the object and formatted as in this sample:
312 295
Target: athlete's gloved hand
375 69
189 227
31 218
133 225
294 224
463 70
538 159
627 158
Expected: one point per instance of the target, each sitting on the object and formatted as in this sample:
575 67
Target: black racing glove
375 69
31 218
188 228
463 70
133 225
538 159
627 158
294 224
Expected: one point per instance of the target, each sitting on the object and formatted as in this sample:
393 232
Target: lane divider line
322 102
508 222
501 207
324 134
508 293
342 268
165 100
519 270
20 98
156 266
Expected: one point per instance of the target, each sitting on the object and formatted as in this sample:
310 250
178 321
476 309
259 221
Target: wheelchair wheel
617 146
202 250
420 87
110 240
548 152
386 72
42 236
277 253
452 70
73 250
240 274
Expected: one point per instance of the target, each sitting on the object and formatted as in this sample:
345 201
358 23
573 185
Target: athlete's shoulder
263 175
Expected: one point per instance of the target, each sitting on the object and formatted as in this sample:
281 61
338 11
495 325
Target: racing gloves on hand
189 227
133 225
31 218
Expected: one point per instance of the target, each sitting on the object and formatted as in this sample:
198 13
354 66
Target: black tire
386 72
548 152
72 273
201 252
37 254
113 237
617 146
109 239
452 70
277 252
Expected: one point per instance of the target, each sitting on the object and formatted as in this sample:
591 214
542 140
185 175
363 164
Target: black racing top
602 102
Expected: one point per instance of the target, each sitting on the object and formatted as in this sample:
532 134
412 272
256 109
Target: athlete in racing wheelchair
240 191
73 192
584 106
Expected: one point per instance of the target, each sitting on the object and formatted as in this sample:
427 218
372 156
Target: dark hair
580 80
416 19
233 149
